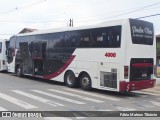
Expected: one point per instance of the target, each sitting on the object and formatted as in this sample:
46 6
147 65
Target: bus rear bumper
136 85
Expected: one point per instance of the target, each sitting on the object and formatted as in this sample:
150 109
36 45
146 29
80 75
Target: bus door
38 55
24 54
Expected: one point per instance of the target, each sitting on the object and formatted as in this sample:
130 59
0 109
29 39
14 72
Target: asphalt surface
32 94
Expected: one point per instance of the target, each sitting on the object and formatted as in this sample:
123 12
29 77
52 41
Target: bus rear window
141 32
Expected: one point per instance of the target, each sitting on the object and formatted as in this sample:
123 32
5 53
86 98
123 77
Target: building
158 54
27 30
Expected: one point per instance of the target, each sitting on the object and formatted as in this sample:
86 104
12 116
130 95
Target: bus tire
85 82
19 71
70 79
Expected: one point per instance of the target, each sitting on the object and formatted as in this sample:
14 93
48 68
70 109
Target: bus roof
55 30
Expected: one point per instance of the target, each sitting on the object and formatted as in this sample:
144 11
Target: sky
48 14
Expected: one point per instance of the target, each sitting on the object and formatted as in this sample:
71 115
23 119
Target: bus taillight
125 72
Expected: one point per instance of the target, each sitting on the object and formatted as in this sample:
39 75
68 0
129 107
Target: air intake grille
109 79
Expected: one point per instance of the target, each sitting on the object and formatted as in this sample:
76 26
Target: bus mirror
7 52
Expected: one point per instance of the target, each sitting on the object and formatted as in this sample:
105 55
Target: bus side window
70 40
113 36
30 48
58 40
116 35
20 39
7 44
85 39
109 38
98 37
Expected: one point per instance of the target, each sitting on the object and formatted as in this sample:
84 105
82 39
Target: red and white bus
117 55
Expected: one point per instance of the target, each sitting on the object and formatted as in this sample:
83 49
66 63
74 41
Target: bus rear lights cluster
110 54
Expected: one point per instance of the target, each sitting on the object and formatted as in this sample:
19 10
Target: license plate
144 75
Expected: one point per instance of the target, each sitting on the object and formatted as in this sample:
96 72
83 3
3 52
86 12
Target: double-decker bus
116 55
3 58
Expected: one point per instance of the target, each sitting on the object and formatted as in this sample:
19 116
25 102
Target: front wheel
85 81
19 71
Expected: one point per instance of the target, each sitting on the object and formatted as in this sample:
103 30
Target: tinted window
30 38
20 39
141 32
57 39
109 37
114 37
7 44
106 37
99 37
85 38
12 42
43 37
72 39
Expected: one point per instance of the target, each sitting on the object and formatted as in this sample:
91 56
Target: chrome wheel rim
70 79
85 81
18 71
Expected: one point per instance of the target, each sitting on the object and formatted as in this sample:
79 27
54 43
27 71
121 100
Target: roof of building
27 30
158 36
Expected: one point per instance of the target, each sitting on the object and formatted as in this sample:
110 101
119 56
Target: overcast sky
47 14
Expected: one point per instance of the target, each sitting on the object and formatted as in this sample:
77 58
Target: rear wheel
70 79
85 81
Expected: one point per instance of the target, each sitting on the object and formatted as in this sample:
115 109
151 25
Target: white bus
3 58
117 56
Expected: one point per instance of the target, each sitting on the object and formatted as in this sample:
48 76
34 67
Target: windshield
7 43
141 32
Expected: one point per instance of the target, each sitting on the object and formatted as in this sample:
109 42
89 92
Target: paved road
32 94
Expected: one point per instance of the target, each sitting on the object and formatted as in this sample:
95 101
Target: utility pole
71 23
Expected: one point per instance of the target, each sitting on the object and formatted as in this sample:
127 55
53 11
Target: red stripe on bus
55 74
142 65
